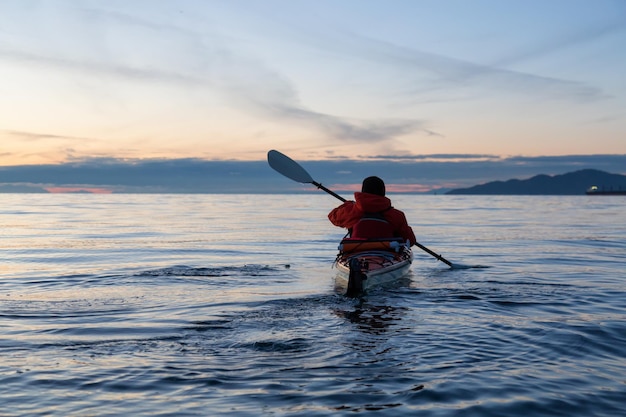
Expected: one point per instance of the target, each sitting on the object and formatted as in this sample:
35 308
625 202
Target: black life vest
372 226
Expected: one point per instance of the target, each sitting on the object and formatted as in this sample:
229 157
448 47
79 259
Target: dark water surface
225 304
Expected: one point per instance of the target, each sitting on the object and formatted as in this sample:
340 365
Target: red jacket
349 213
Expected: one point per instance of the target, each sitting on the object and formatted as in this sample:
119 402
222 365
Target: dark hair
373 185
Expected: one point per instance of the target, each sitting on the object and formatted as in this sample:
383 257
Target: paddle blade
288 167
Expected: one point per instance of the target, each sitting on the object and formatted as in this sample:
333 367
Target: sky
426 82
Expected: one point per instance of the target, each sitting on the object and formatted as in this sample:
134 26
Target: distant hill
572 183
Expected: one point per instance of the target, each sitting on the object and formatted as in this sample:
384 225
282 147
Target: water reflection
372 318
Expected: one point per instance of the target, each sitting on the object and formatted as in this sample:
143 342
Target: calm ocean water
198 305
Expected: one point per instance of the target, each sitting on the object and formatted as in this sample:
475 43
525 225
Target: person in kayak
371 215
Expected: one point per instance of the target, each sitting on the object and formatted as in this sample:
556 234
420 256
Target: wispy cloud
96 68
573 38
218 64
34 136
221 73
428 72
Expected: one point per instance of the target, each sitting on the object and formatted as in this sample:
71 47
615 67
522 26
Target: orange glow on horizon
90 190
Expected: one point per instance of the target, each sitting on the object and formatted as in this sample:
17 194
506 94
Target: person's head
373 185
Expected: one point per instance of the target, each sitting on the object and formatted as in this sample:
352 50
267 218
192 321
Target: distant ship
602 191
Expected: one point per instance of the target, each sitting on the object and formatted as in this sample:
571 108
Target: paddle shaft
331 192
439 257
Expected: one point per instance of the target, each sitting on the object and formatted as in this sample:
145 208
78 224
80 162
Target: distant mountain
572 183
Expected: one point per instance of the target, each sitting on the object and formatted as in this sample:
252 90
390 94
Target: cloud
419 75
342 128
212 62
120 49
432 157
201 176
34 136
447 74
97 68
573 38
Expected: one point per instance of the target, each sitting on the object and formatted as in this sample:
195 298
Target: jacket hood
371 203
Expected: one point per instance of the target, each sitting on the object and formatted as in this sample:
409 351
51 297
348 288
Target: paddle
292 170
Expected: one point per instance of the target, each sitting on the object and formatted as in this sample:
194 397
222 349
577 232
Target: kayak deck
363 269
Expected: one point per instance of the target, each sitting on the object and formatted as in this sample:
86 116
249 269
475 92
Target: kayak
365 263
